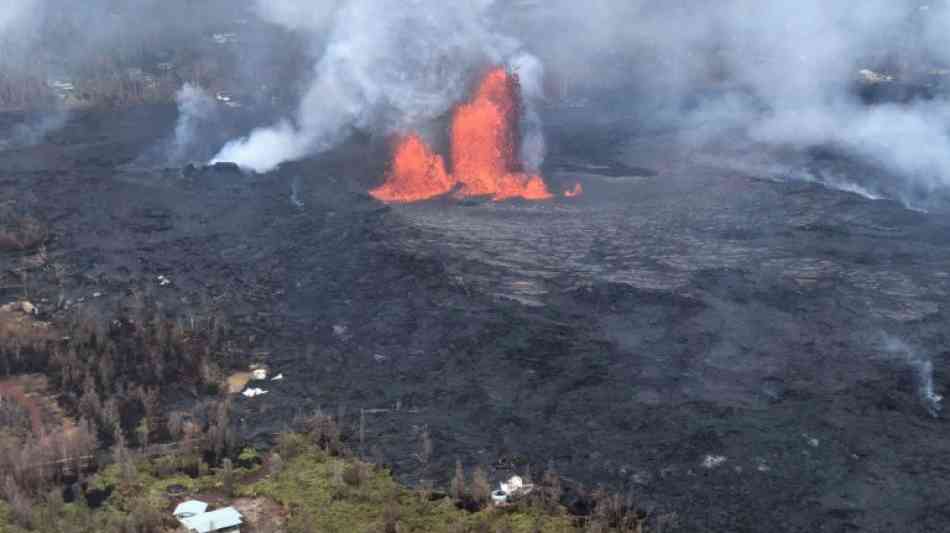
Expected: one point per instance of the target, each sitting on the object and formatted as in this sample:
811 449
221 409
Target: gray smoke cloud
381 67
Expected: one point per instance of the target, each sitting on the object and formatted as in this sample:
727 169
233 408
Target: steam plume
35 130
782 74
923 373
194 107
13 11
385 68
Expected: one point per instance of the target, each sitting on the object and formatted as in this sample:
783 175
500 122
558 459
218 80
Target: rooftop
190 508
213 521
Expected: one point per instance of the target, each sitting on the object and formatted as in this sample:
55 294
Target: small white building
194 518
189 509
512 489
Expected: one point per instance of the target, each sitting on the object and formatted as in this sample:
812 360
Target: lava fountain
484 145
417 174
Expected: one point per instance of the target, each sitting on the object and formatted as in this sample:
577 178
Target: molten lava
417 174
484 142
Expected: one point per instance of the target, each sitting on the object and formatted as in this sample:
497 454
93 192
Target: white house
513 488
189 509
193 516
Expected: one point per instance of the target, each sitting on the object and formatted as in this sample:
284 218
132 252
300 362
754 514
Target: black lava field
750 351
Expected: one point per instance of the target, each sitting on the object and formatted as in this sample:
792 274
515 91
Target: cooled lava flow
484 145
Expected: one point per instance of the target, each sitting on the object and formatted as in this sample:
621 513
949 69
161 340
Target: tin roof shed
190 508
227 519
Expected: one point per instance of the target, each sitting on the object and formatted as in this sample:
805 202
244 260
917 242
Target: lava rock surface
713 342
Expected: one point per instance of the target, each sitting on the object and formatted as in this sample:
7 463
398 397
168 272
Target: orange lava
574 191
417 174
484 143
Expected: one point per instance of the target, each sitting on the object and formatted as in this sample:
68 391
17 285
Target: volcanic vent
484 145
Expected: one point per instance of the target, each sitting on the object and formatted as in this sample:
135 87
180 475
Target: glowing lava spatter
417 174
484 145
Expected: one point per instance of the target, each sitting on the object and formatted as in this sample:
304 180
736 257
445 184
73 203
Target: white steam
923 373
13 11
388 67
782 73
530 73
195 106
35 130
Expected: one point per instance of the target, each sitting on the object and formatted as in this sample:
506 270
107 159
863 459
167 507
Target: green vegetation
333 494
311 491
111 379
4 518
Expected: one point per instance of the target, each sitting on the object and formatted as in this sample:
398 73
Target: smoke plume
384 68
923 370
530 73
781 74
778 75
195 107
35 129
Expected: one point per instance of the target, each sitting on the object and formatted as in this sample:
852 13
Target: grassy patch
335 495
5 518
312 491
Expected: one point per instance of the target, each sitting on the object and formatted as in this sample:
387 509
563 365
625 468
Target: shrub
290 445
354 474
324 431
249 457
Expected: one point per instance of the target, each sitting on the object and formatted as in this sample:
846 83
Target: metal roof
213 521
190 508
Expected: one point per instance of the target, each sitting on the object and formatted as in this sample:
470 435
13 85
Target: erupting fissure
484 144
